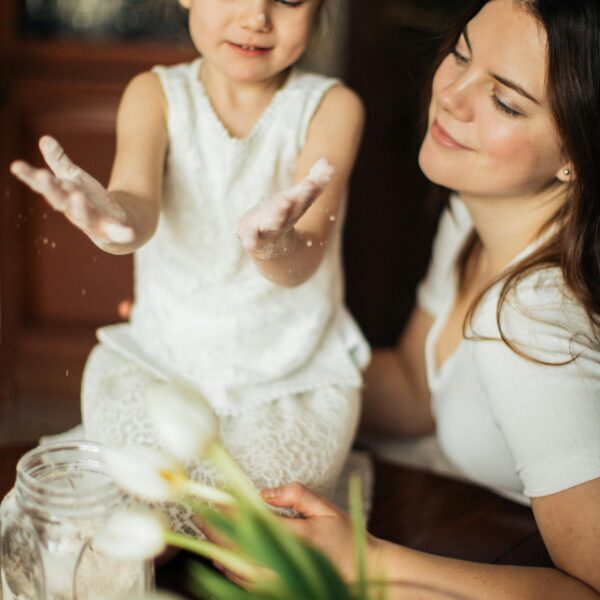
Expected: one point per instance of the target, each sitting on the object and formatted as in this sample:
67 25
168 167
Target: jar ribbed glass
62 497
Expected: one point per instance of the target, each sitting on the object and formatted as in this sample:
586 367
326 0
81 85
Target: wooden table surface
417 509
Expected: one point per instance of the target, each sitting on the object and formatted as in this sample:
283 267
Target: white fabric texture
522 428
300 437
201 307
280 366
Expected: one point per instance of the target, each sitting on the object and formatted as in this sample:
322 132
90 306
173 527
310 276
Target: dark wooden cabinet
57 288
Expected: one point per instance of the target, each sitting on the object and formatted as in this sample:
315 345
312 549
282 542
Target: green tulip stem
208 493
234 474
358 530
227 558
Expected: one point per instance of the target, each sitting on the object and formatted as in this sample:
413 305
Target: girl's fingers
53 153
43 182
321 173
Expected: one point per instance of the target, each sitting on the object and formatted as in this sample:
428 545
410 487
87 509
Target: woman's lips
248 50
441 136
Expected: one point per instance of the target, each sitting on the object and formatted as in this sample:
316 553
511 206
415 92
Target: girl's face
490 130
250 40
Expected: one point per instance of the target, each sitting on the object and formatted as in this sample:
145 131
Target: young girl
238 287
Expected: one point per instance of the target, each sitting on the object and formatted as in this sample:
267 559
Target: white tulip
154 475
132 535
184 421
146 472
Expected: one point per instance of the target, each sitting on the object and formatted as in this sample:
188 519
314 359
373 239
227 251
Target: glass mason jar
62 497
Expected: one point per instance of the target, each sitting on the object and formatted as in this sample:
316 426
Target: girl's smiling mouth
248 49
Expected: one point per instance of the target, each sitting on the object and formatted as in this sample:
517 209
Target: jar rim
40 493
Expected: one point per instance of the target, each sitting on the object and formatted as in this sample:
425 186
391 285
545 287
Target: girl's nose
257 17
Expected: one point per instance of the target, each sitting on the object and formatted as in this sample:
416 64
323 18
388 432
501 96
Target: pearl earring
566 172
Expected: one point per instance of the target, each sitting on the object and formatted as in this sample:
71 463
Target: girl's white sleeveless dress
280 366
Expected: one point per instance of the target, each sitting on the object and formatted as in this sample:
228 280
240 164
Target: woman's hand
75 193
264 230
323 525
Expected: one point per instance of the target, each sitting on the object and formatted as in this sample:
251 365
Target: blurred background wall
63 66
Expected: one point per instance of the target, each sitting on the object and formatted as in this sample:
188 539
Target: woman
501 355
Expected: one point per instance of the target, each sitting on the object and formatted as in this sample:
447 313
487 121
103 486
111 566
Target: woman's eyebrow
514 86
503 80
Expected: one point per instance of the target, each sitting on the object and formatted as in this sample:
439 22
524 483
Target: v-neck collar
263 119
435 372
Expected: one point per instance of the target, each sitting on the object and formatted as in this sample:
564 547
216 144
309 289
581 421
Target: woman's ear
566 173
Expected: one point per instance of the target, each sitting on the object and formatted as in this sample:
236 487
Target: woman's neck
506 226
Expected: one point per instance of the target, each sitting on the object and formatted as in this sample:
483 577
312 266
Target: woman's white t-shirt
519 427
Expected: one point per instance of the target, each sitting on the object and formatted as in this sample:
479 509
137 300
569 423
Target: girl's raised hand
263 229
75 193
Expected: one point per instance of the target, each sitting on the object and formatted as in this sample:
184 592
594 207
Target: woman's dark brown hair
573 87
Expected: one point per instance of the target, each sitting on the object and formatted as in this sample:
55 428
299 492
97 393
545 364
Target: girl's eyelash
291 4
507 110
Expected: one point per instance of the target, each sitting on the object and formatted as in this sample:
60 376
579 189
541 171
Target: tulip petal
132 535
184 421
146 472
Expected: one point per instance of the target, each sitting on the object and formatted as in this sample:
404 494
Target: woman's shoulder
541 318
544 296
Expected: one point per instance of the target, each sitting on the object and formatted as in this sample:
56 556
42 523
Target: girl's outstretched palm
75 193
263 229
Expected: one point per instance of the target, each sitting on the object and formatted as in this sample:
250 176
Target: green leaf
217 520
214 585
230 559
261 540
288 544
335 586
240 484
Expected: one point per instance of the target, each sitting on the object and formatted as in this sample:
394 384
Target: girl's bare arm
287 235
123 217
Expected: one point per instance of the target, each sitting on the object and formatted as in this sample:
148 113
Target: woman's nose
456 99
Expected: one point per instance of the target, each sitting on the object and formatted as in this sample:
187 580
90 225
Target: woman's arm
290 252
396 394
569 523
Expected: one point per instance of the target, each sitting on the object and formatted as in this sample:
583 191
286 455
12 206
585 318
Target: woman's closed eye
504 108
460 58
